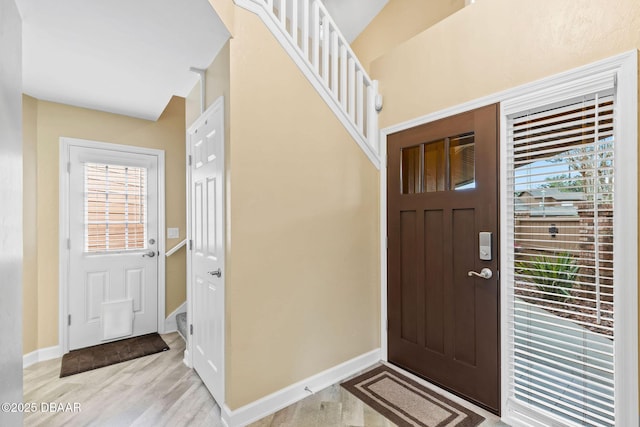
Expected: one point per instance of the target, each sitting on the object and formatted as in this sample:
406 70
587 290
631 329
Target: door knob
218 273
485 273
150 254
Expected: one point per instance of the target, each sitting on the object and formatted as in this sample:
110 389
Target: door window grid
561 208
447 164
115 208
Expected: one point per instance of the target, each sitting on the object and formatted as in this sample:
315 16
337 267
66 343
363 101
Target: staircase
311 38
181 322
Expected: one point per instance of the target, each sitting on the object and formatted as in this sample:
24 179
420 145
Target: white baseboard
186 359
170 324
30 358
295 392
41 355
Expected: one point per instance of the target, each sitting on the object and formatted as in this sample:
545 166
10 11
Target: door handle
218 273
150 254
485 273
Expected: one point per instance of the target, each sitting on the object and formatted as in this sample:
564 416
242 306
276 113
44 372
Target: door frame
63 228
188 356
626 64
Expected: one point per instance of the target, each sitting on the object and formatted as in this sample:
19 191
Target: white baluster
334 63
294 22
343 76
316 38
326 36
352 89
305 28
372 116
283 13
360 101
270 5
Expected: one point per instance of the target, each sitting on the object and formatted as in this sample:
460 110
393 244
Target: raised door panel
434 302
409 277
463 298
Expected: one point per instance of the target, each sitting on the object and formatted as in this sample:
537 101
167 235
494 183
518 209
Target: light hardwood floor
159 390
333 406
156 390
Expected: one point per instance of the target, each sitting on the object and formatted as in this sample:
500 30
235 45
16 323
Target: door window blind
115 208
560 206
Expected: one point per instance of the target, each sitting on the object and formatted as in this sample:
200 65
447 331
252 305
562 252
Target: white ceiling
130 57
352 16
121 56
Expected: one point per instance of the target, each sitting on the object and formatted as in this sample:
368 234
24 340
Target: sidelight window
560 237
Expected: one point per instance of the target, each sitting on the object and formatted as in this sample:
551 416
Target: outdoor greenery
590 169
552 274
566 183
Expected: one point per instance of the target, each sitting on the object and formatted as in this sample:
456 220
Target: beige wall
29 219
494 45
397 22
217 84
57 120
304 268
302 265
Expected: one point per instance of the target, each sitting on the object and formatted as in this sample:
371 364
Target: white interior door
207 255
113 255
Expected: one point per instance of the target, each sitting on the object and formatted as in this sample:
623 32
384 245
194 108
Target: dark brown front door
442 193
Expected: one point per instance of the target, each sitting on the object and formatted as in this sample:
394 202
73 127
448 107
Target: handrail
312 39
175 248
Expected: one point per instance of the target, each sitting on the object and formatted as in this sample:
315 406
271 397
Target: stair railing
176 248
314 42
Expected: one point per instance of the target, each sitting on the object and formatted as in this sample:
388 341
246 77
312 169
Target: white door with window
113 245
206 145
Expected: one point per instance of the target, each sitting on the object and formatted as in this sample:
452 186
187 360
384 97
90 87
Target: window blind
560 206
115 208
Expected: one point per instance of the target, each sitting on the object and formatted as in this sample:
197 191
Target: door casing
63 228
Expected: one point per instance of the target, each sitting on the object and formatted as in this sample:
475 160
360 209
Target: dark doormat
99 356
407 403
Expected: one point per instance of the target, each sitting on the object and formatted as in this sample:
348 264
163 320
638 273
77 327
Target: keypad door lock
485 247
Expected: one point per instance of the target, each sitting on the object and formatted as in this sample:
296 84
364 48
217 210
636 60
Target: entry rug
99 356
407 403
